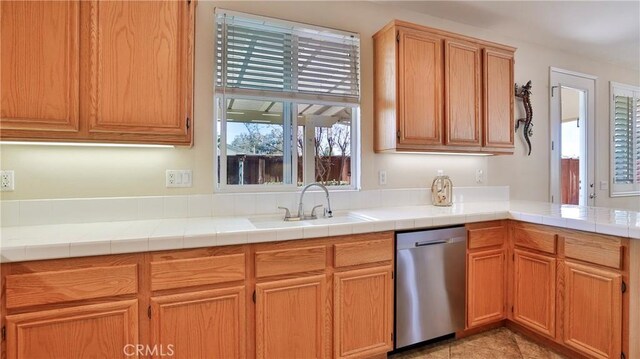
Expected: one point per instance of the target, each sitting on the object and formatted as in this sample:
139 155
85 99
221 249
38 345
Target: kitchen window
625 143
286 104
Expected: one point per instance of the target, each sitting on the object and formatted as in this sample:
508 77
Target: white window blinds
625 122
269 57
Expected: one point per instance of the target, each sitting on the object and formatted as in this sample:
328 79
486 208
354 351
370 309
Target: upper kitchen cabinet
463 92
39 73
437 91
419 88
498 98
98 71
140 71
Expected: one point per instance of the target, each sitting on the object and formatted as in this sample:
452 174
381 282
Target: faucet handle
328 213
313 211
287 214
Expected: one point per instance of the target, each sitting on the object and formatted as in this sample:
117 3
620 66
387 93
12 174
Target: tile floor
499 343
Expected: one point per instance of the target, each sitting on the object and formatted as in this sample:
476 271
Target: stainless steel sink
269 222
275 222
339 218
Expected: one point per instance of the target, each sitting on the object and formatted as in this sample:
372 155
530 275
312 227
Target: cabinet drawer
487 237
351 254
286 261
606 251
535 239
180 273
29 289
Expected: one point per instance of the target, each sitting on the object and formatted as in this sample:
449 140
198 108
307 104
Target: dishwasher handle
430 243
418 239
440 241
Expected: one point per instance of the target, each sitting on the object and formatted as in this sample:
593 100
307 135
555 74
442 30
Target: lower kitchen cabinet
291 318
593 310
88 331
314 298
534 291
485 286
363 312
209 323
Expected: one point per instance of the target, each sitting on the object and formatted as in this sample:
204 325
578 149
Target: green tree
260 139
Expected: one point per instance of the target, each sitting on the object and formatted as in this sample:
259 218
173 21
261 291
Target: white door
572 137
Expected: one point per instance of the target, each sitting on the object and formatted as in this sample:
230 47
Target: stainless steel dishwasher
430 284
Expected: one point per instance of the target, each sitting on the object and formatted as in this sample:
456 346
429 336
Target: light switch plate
178 178
604 185
382 178
7 181
479 176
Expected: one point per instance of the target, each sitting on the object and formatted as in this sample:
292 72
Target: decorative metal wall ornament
524 93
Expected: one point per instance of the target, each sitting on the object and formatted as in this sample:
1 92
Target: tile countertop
23 243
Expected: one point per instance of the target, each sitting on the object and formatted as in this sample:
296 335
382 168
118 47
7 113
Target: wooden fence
570 185
264 169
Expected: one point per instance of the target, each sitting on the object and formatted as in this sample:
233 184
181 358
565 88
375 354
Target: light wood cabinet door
90 331
363 312
291 318
592 310
39 77
498 98
205 324
463 93
485 287
140 74
534 291
419 88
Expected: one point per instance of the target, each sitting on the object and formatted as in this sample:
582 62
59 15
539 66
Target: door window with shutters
625 140
287 104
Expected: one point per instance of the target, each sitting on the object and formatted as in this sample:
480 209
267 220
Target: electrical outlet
171 178
479 176
382 178
178 178
7 181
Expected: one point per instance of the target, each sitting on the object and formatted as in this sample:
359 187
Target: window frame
220 151
220 114
221 94
622 189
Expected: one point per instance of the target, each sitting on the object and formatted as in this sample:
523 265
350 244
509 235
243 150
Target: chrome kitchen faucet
301 216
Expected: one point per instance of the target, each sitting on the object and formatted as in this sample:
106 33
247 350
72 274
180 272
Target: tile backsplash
84 210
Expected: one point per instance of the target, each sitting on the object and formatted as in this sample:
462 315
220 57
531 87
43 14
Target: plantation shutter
626 139
623 134
637 137
265 57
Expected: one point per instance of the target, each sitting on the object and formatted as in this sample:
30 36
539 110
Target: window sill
279 189
624 194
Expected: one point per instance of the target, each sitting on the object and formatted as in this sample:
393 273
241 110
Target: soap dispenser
442 190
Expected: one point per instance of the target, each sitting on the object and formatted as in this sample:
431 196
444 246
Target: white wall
529 176
54 172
